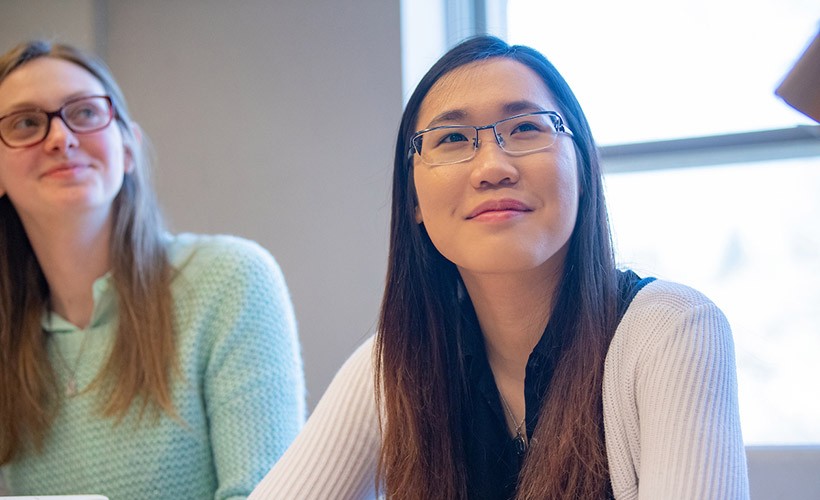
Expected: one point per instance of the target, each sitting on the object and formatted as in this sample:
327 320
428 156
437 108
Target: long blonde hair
143 355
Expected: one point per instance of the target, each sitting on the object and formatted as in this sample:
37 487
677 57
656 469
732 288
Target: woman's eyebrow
522 106
453 115
19 106
32 105
508 109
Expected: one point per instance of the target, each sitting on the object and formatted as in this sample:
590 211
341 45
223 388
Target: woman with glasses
512 359
133 363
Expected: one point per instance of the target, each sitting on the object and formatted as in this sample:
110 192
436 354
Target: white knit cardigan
670 412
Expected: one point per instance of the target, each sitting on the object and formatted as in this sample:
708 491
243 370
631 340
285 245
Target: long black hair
419 337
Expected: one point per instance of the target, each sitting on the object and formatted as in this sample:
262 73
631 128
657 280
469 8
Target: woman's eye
25 122
453 137
526 127
84 114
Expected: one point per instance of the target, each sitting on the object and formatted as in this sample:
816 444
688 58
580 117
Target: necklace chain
71 388
520 437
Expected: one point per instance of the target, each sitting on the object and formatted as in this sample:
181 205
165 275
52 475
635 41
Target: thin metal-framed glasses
517 135
82 115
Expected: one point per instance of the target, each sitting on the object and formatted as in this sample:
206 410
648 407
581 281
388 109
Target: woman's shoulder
220 258
661 296
354 380
360 364
184 246
663 310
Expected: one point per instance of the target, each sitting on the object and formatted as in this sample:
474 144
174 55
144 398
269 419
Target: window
747 235
647 70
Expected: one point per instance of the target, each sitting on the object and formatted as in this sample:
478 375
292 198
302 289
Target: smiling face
67 173
496 213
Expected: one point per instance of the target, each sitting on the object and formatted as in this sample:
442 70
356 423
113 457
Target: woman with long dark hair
512 359
133 363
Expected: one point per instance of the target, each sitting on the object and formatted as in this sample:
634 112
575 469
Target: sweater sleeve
254 383
677 403
336 454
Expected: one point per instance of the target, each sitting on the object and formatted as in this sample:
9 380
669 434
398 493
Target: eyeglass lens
83 115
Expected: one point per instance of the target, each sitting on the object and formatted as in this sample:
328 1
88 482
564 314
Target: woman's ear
131 146
414 196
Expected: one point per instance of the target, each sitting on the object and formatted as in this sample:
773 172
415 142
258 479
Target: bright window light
646 70
748 237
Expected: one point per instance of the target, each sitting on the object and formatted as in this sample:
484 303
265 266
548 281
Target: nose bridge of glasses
64 122
496 135
67 132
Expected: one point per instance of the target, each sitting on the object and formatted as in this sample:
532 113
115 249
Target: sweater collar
105 305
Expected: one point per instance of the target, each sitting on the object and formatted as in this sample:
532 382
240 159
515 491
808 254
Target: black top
493 458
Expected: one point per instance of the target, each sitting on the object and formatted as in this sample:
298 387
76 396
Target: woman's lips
64 170
499 209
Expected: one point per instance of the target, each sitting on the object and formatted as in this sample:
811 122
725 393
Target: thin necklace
71 389
520 438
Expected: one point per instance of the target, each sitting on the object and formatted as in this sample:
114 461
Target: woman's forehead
46 82
485 90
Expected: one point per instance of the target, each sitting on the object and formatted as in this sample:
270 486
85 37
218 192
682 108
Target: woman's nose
492 166
58 136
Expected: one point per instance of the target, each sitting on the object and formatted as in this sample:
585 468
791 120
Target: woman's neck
512 311
72 254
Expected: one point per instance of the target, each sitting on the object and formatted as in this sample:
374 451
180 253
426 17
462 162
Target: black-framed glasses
82 115
517 135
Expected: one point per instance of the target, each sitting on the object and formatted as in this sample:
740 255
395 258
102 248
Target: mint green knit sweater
240 395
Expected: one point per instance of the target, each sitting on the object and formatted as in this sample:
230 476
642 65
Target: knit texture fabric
670 410
240 395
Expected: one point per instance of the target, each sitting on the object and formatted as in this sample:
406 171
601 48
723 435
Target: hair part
422 383
143 356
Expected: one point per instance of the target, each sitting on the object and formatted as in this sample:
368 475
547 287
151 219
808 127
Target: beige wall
271 119
73 20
